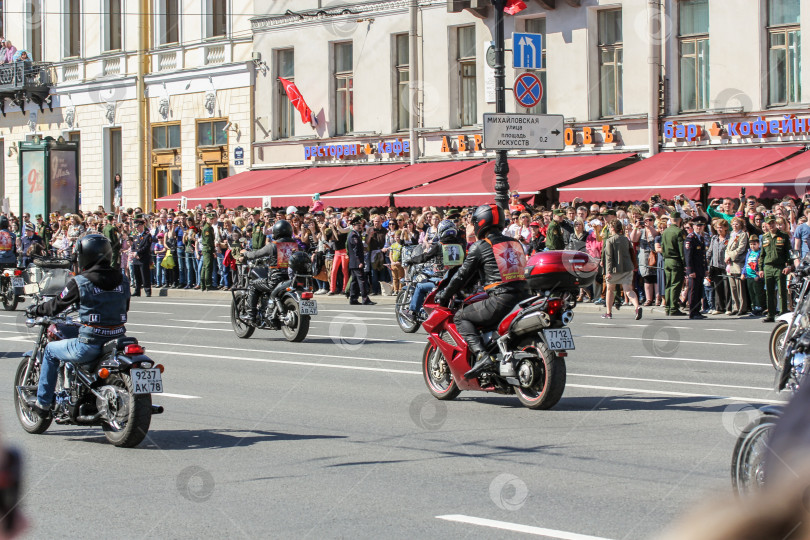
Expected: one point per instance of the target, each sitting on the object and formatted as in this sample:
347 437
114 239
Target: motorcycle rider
447 251
278 253
8 245
102 295
498 261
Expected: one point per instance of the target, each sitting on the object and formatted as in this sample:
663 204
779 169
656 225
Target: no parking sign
528 90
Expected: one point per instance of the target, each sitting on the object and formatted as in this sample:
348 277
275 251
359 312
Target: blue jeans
191 268
420 293
160 273
67 350
181 265
223 273
199 270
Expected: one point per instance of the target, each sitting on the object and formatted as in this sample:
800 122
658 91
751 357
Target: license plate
17 282
308 307
559 339
146 381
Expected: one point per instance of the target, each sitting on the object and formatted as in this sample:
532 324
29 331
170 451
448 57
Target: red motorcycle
529 344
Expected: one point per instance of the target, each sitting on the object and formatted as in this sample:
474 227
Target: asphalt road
338 437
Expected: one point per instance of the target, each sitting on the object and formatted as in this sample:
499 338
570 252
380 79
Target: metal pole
143 58
413 80
654 8
501 165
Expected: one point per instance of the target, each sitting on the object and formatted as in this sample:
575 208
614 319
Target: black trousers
486 315
257 286
722 291
143 278
359 286
694 289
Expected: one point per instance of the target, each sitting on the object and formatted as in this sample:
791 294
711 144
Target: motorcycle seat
117 344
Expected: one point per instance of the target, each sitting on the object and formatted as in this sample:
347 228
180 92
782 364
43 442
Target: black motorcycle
114 392
12 285
416 274
290 312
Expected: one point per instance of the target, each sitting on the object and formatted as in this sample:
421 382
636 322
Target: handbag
168 261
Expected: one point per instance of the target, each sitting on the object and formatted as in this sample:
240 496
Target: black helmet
486 218
3 222
299 263
93 249
282 229
447 229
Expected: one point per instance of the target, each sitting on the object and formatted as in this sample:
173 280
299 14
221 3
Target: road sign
528 89
524 132
527 51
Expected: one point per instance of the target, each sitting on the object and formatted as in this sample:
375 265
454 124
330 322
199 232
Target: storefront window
344 86
610 62
694 54
784 52
212 133
468 95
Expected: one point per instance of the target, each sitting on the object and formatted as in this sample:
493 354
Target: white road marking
759 331
670 382
761 364
226 303
678 394
197 321
651 339
151 312
180 327
719 330
178 396
517 527
383 340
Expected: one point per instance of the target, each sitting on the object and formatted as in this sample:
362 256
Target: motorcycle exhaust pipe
157 409
89 419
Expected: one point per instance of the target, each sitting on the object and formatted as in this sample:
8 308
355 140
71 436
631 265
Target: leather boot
483 361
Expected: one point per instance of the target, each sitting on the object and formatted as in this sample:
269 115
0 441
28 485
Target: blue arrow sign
527 51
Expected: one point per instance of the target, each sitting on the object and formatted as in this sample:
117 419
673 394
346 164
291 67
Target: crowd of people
732 255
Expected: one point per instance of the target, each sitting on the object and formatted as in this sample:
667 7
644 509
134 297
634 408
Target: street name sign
524 132
527 51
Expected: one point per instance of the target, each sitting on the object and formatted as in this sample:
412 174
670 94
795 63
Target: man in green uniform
43 231
207 249
554 235
259 239
775 258
672 247
111 232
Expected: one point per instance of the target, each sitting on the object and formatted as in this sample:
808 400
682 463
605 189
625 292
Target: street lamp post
501 165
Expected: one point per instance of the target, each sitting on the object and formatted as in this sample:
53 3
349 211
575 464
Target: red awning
789 177
673 173
378 192
526 175
325 180
246 189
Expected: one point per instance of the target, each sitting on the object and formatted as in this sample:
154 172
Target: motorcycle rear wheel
439 380
549 384
240 328
136 419
299 328
10 298
30 421
776 345
748 458
407 325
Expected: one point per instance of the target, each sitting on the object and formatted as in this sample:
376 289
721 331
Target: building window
610 62
212 133
402 76
218 18
538 26
784 52
166 137
34 29
113 20
693 16
468 96
285 62
344 86
171 22
73 35
2 23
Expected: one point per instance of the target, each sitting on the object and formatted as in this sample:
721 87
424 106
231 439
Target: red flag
513 7
297 101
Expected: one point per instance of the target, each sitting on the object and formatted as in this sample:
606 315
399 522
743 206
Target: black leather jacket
269 251
481 260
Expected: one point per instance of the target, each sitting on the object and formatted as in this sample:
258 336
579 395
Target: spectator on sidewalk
620 263
750 276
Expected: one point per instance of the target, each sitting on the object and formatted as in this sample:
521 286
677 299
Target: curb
226 295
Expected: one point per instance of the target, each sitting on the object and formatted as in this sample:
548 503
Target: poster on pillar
33 182
64 181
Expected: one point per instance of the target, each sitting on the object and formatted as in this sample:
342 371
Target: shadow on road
615 403
183 439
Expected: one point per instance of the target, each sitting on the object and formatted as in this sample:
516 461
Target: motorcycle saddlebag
560 271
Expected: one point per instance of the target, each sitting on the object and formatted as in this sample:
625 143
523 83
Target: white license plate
17 282
308 307
146 381
559 339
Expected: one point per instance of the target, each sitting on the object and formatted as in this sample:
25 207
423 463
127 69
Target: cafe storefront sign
761 128
393 149
575 138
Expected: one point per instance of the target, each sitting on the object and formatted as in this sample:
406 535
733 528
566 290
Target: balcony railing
25 76
215 54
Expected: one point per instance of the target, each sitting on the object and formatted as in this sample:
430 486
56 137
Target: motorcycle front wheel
132 413
776 345
10 298
30 421
240 328
407 325
549 380
748 458
438 378
298 326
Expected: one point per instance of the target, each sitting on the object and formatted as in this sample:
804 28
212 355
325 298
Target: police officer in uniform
775 258
278 253
207 237
111 232
694 251
8 245
554 235
102 295
672 247
356 252
142 246
498 261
